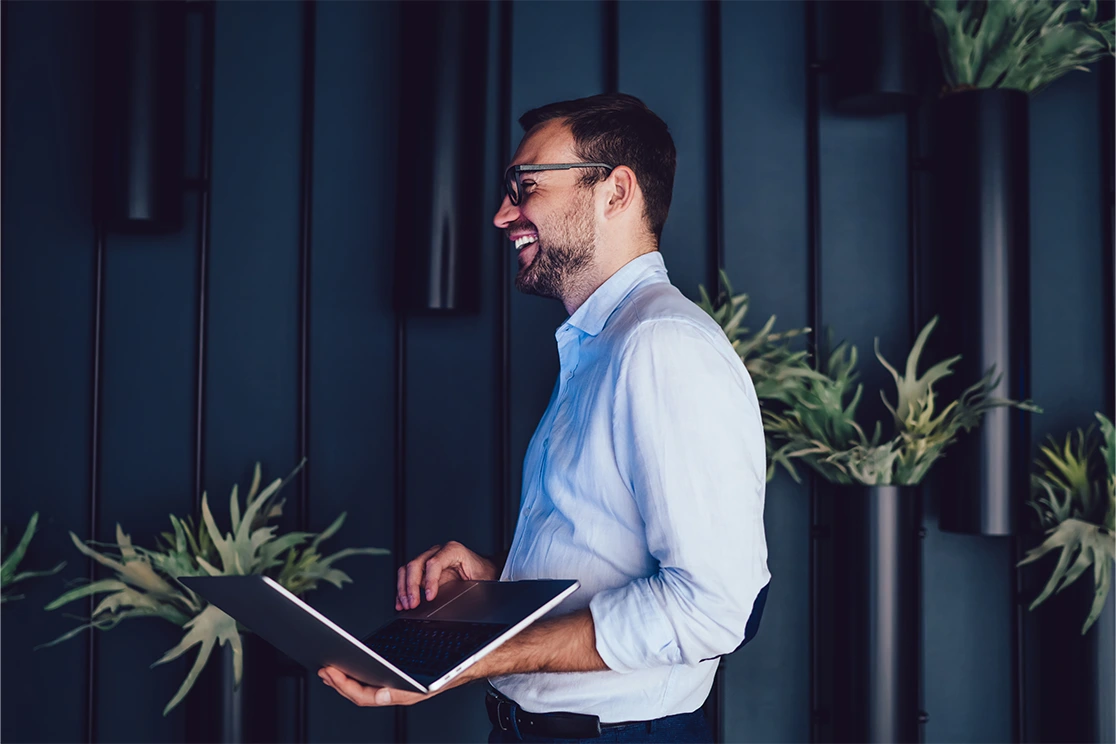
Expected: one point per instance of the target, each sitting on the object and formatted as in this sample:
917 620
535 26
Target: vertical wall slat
766 256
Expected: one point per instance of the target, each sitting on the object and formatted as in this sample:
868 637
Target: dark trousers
685 727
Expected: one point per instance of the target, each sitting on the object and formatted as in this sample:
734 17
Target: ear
619 192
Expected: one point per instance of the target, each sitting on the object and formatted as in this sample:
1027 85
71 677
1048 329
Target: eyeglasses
511 175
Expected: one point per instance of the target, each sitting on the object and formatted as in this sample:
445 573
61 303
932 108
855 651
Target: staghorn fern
820 427
1073 491
777 371
146 582
10 565
1019 44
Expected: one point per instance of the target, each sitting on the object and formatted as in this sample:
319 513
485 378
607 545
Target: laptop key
431 647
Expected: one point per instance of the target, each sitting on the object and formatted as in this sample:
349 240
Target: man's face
552 226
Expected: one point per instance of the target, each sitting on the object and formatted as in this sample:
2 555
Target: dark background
454 465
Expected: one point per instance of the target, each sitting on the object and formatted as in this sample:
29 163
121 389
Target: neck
582 287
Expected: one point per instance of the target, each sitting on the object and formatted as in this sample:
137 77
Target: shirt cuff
631 629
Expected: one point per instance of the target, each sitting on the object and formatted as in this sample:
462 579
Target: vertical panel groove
306 205
914 254
95 468
610 32
1108 190
813 283
204 190
716 261
399 538
504 497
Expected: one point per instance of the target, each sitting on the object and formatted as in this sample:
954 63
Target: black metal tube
610 31
980 290
438 238
813 312
504 497
205 170
305 245
874 61
141 86
875 615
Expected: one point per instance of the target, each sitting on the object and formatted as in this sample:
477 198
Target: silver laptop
420 649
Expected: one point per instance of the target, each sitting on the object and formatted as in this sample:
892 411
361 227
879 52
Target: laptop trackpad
484 601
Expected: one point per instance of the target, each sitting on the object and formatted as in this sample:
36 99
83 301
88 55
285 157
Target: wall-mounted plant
819 427
1018 44
779 373
146 581
1073 491
9 569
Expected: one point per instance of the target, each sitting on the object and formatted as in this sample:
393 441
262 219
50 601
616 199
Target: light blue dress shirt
645 481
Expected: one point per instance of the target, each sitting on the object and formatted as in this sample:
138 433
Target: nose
506 214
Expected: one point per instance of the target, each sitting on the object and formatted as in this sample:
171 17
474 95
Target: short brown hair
619 129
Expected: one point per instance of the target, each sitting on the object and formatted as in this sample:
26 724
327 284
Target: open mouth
525 240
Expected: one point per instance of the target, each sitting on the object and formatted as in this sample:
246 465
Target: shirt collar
591 317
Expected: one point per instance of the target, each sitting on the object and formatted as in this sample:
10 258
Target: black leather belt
506 715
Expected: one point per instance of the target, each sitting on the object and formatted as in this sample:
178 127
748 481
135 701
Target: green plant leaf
1017 44
1081 544
207 628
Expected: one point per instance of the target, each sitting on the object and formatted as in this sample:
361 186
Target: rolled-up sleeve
689 440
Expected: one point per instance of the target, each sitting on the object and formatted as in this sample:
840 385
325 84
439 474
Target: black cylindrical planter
874 65
441 195
139 109
1062 678
217 710
977 281
875 618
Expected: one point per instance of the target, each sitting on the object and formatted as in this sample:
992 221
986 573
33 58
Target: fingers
409 578
365 695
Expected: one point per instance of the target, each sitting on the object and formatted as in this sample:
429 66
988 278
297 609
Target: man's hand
442 563
564 644
367 696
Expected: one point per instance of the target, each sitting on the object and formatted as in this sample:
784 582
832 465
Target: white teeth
525 240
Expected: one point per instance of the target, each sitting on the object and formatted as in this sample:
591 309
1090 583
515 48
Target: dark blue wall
452 419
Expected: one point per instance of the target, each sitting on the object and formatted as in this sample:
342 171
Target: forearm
564 644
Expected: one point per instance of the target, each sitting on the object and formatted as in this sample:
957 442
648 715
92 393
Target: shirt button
546 443
569 376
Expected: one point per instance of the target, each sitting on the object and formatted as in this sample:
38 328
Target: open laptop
420 649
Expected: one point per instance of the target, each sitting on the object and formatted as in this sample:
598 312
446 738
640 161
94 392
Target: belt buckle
505 715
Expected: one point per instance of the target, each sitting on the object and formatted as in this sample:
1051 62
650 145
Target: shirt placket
569 349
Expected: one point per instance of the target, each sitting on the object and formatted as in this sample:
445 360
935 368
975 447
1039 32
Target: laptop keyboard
431 647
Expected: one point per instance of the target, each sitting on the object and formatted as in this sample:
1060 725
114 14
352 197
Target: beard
563 257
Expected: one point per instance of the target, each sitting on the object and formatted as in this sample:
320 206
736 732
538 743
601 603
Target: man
645 477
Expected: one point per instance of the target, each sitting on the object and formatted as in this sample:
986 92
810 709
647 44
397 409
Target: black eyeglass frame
511 175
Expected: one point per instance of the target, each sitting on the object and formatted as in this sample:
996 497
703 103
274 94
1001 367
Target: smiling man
645 477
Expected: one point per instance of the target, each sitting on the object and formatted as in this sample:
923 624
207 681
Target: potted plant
872 573
778 372
9 569
145 581
1074 495
993 56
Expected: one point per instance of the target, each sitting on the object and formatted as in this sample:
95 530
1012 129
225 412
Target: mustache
519 227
